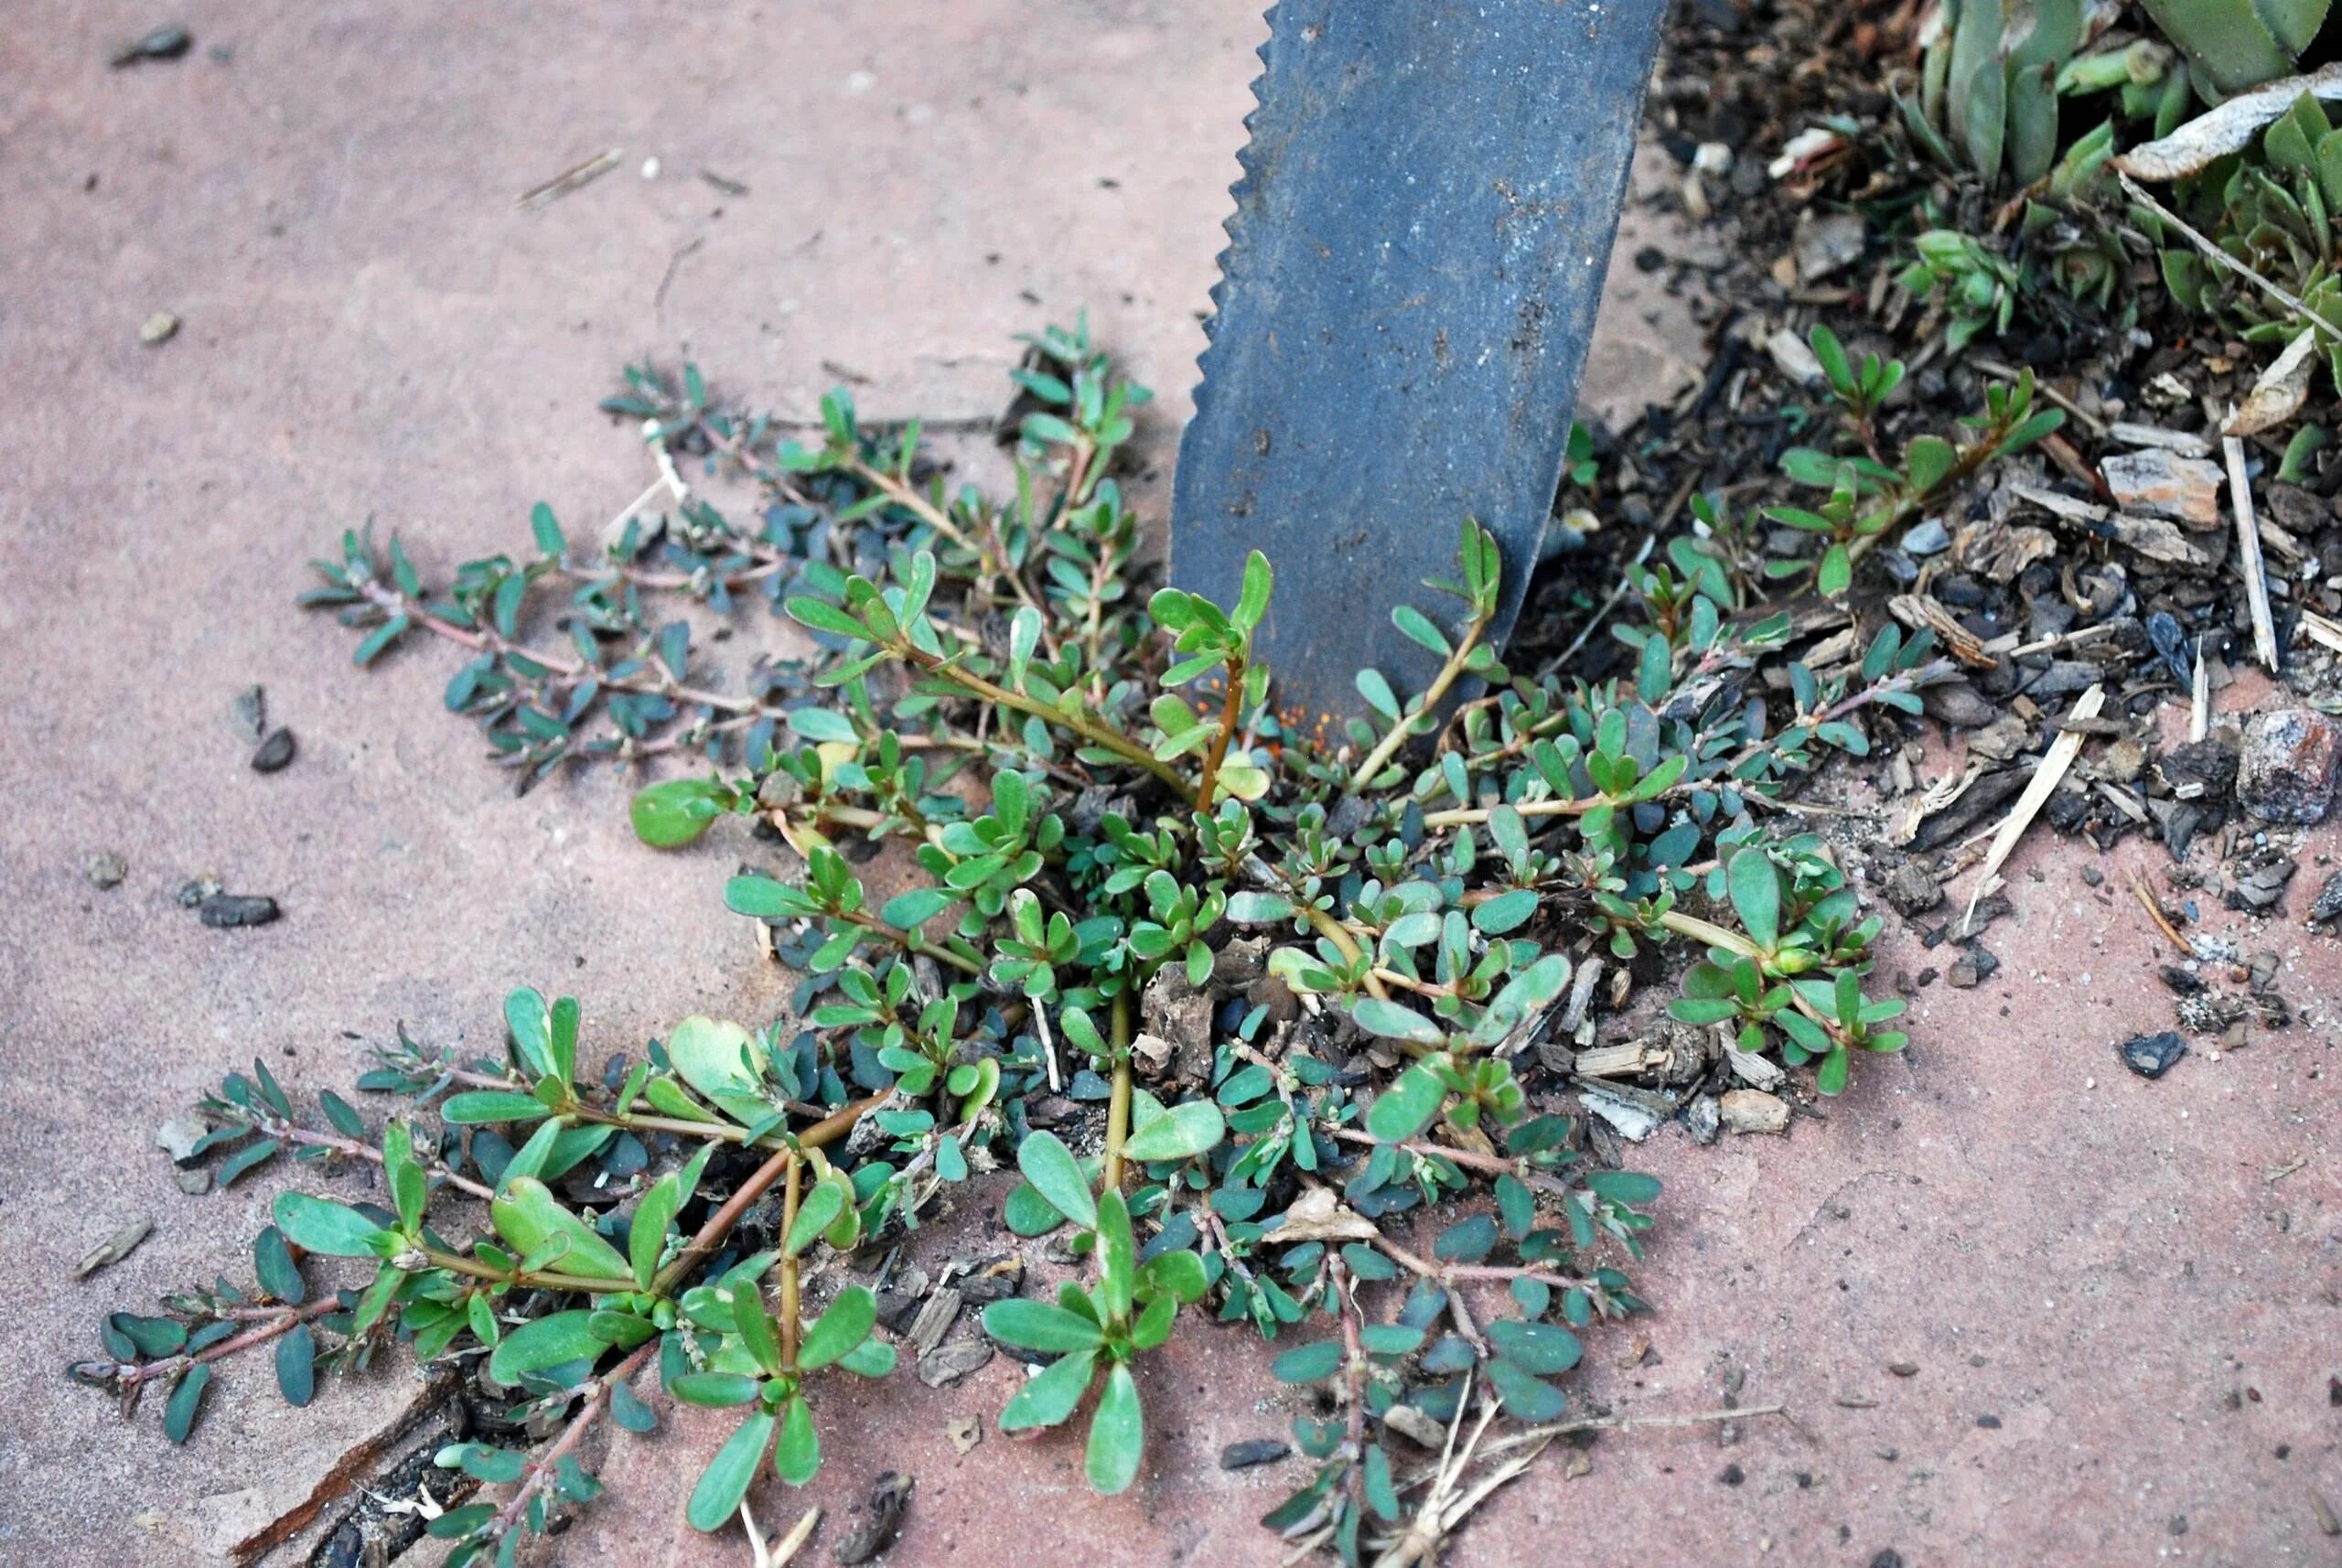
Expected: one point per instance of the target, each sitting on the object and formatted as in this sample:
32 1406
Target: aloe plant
2233 45
2272 207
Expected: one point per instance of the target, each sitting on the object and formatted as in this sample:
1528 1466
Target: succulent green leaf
1180 1133
1407 1106
1049 1397
526 1215
797 1456
321 1225
1753 885
545 1342
845 1325
1117 1436
725 1482
1057 1177
675 811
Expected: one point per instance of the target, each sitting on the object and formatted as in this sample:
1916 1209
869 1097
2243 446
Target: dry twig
2248 543
2045 778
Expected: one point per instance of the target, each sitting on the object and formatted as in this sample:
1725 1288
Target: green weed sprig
1379 932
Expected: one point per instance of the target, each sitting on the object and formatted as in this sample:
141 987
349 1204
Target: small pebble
1254 1451
248 715
1733 1476
225 911
160 328
1927 537
1989 1423
179 1136
167 42
2152 1056
194 1183
105 869
276 753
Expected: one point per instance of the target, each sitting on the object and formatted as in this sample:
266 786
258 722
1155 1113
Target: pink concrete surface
371 329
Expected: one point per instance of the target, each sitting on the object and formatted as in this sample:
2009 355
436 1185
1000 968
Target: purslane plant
1108 822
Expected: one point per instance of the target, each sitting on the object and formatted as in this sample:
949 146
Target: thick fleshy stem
789 1297
1118 1104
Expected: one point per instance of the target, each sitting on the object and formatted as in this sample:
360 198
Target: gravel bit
1754 1111
1911 890
179 1136
1254 1451
2152 1056
948 1364
276 753
226 911
890 1494
2328 906
2286 773
167 42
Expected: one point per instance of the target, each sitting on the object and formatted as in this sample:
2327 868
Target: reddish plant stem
472 1268
1494 1164
545 1468
131 1375
1227 710
719 1224
352 1147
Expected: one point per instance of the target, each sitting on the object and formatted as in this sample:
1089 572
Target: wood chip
1582 993
1630 1061
2123 800
2278 396
1317 1215
2318 628
2248 539
1922 611
2161 483
2199 711
2186 443
2045 778
2157 539
935 1315
2071 507
113 1249
950 1363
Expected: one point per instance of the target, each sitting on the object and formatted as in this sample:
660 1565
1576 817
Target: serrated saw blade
1417 252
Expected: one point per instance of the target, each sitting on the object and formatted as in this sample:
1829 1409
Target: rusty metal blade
1417 252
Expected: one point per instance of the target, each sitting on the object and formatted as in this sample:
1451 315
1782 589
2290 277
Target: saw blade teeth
1234 225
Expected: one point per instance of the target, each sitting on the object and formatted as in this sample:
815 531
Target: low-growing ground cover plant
1099 822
